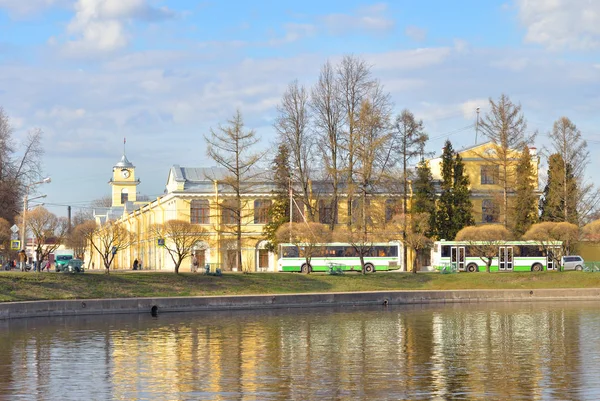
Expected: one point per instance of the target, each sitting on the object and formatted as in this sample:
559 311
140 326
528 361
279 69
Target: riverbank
16 287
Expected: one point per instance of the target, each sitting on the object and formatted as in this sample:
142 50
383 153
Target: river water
517 351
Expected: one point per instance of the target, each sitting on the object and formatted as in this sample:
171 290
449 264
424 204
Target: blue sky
162 73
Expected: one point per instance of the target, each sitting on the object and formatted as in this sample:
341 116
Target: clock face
125 173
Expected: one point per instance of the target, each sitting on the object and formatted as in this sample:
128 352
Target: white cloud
415 33
561 24
366 19
101 25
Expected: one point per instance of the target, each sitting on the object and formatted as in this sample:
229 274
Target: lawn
16 286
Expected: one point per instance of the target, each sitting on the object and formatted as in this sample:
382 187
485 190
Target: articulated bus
510 256
340 256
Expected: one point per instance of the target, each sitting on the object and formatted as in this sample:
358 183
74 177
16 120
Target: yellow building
201 196
485 180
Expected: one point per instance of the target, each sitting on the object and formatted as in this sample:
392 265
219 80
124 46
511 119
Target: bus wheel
306 268
472 268
369 268
578 268
536 268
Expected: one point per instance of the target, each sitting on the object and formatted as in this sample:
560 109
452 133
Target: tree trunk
415 266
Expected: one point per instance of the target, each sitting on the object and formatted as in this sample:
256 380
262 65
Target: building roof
203 179
124 163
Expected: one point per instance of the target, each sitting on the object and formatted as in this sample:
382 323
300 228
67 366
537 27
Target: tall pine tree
463 207
553 204
454 209
424 194
525 210
279 212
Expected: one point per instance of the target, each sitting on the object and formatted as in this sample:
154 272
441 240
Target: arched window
124 196
199 211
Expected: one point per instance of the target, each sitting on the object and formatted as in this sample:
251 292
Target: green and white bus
339 256
463 256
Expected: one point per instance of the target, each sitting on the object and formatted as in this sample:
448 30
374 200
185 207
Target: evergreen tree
553 204
525 211
454 208
443 215
424 194
462 215
279 212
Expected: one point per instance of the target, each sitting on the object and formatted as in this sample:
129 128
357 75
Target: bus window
445 251
350 252
289 252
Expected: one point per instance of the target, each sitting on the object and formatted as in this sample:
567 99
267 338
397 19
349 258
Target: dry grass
16 286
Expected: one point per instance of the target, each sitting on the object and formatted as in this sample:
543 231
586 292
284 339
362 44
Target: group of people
137 264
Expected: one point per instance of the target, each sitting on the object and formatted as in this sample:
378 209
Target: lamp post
25 200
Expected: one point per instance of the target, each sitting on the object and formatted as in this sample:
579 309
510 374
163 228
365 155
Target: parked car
572 262
73 266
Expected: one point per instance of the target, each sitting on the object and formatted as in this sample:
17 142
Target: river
517 351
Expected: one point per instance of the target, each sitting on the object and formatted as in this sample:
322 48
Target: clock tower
123 182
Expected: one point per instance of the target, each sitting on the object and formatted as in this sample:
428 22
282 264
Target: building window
326 214
490 213
355 211
230 212
124 196
489 175
199 211
261 211
263 259
392 208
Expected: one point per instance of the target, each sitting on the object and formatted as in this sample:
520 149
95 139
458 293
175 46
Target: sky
90 73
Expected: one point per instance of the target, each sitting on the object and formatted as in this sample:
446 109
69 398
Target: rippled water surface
527 351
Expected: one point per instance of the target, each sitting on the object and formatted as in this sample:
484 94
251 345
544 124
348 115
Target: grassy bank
45 286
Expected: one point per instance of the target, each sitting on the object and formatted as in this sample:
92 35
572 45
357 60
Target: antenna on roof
477 126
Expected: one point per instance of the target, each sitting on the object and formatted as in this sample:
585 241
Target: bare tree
506 128
414 230
49 232
566 140
408 139
307 237
328 117
355 83
292 125
484 241
547 235
231 146
5 236
372 157
19 166
108 240
180 238
77 239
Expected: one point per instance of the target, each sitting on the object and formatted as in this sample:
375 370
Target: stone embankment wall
13 310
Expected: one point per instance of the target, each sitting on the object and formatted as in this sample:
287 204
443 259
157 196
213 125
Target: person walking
22 260
194 264
135 264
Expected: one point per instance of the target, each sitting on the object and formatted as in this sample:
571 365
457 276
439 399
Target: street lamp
25 200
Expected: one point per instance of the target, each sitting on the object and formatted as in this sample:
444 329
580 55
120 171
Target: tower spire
124 141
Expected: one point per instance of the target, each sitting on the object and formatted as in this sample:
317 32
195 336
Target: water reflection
508 351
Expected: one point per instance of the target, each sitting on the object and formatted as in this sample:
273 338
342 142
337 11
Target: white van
572 262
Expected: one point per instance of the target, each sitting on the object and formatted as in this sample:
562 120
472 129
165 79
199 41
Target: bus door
457 257
550 263
505 258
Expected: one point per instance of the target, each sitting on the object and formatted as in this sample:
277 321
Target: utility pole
69 219
477 126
